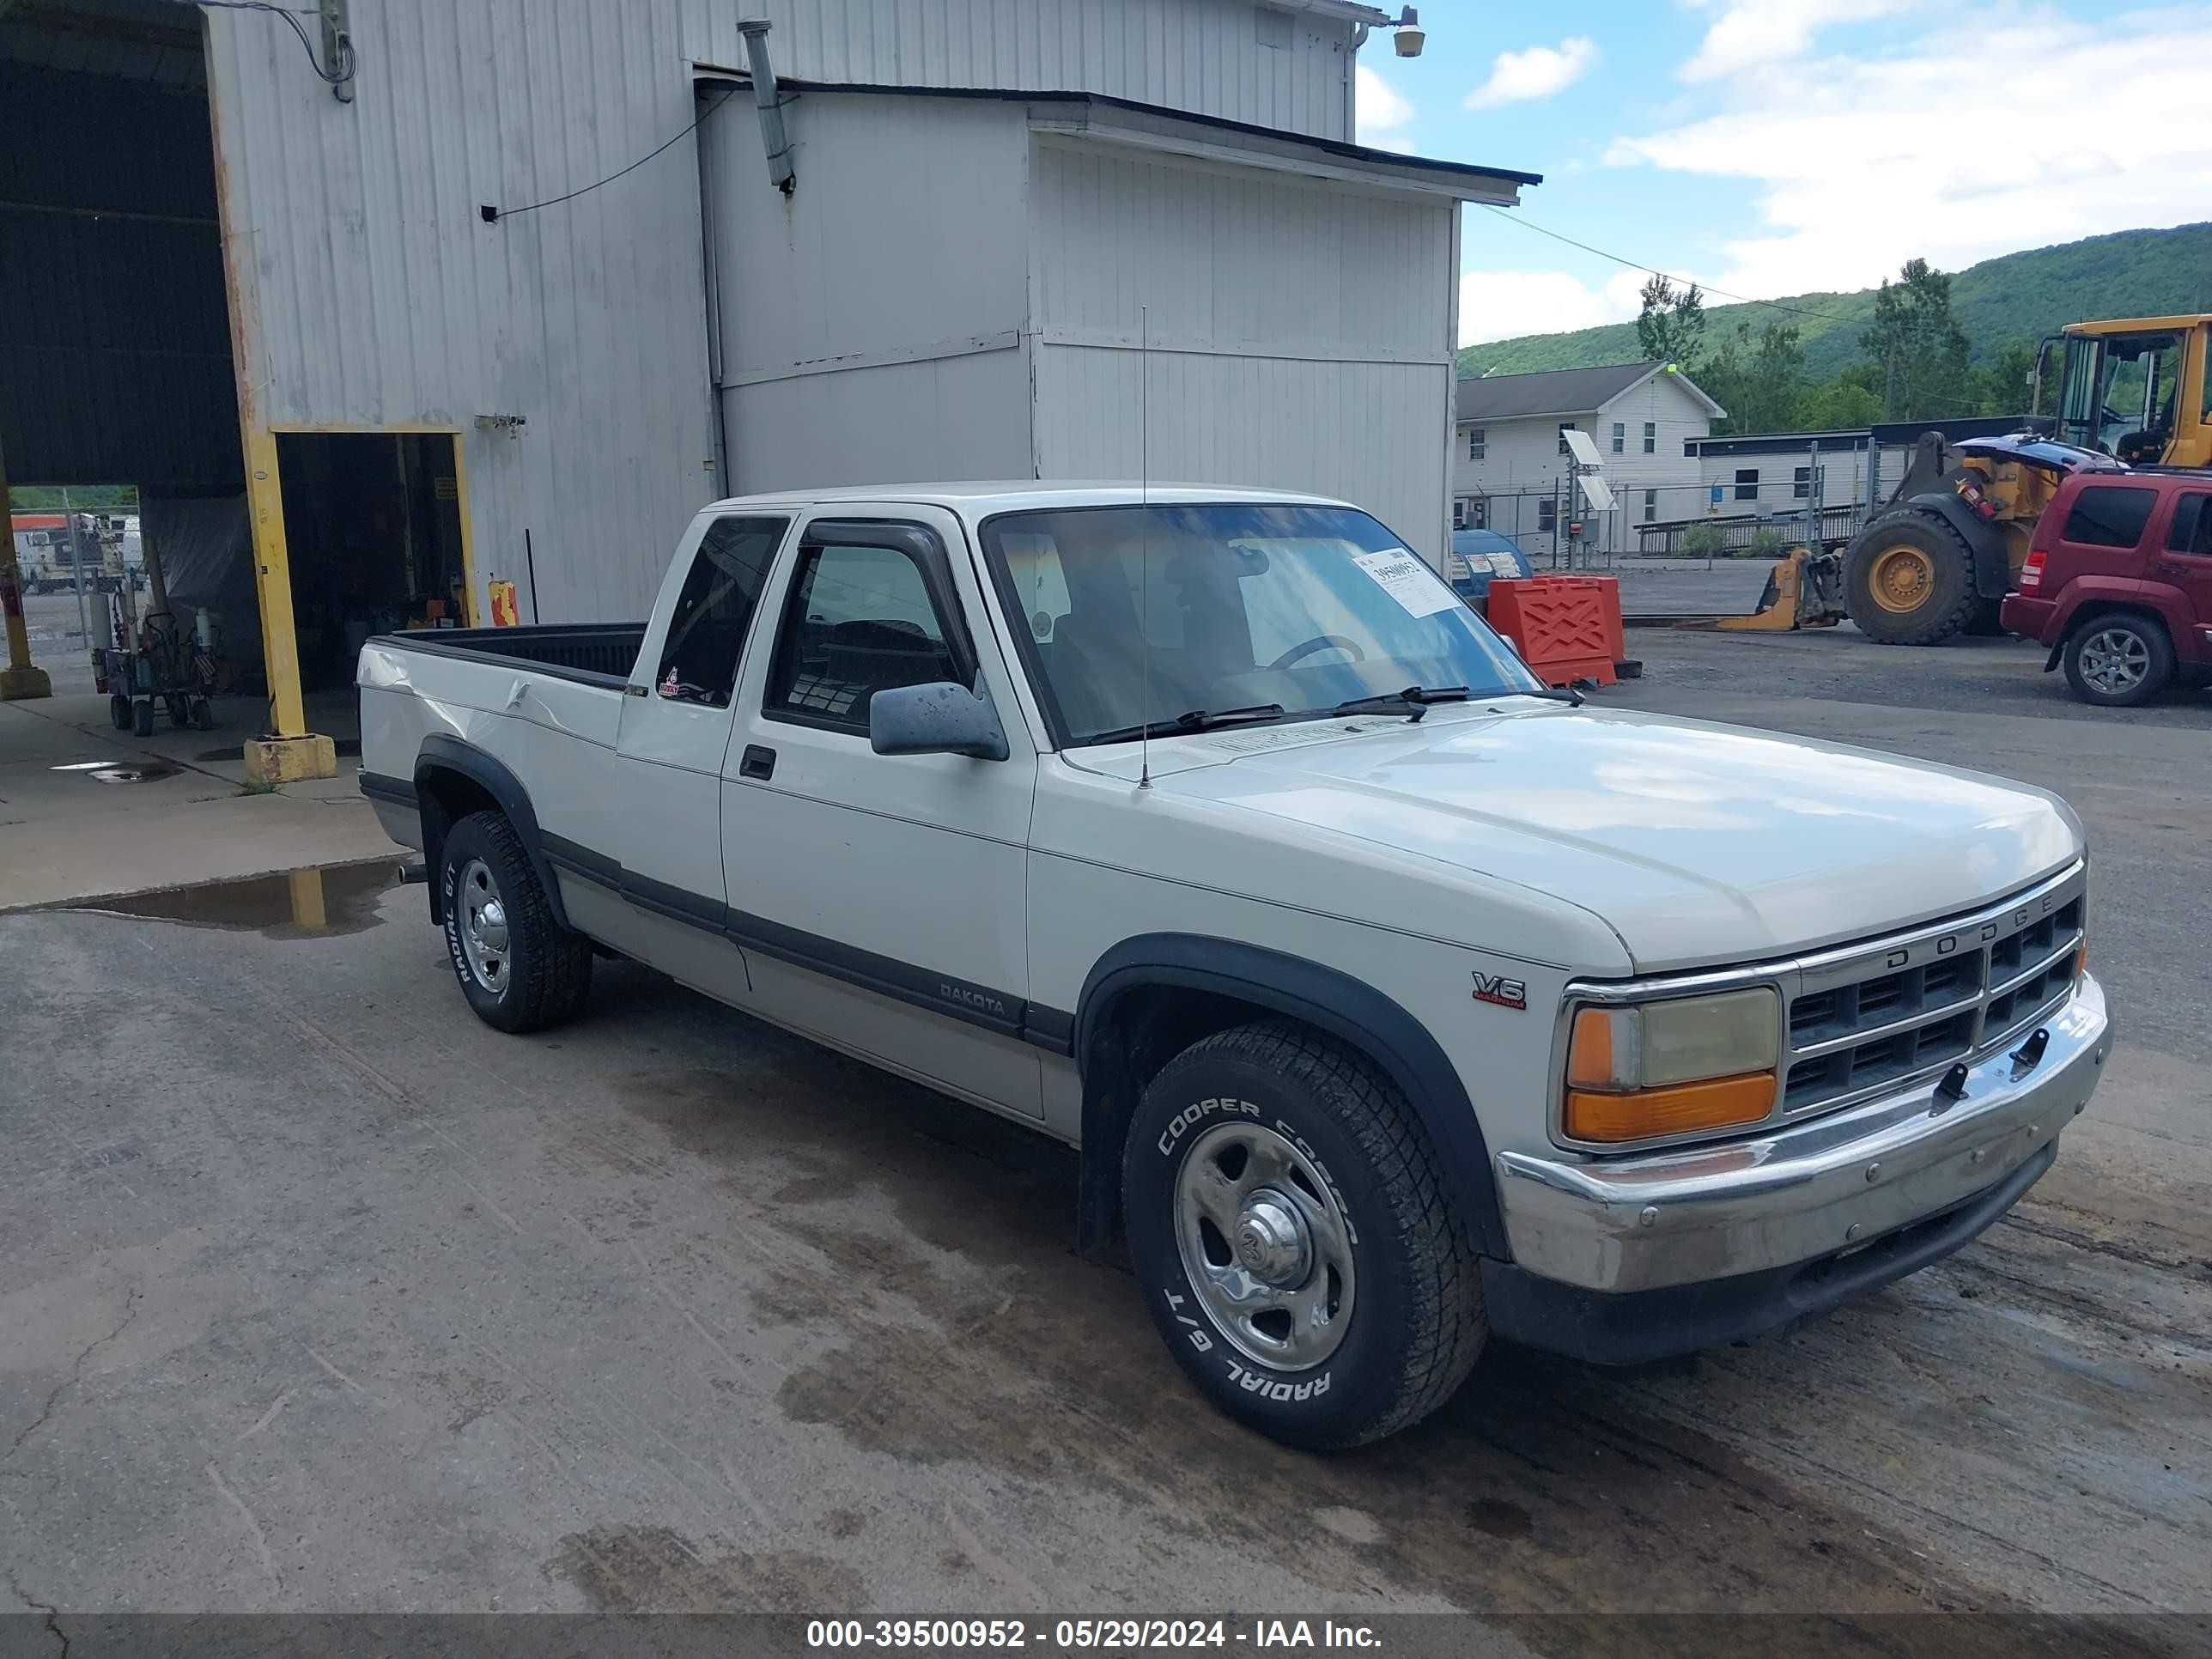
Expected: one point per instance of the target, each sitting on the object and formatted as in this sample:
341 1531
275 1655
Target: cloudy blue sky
1773 146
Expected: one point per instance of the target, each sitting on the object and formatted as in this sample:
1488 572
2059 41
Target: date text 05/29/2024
1073 1635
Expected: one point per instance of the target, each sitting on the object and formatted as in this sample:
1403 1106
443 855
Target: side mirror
938 718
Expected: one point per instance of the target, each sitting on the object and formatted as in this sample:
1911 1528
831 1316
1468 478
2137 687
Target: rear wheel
2118 661
1287 1219
519 969
1909 580
141 717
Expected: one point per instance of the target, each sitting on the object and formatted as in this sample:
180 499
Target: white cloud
1756 33
1380 107
1517 77
1498 305
1864 163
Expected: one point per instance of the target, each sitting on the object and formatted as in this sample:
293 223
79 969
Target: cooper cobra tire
519 969
1289 1226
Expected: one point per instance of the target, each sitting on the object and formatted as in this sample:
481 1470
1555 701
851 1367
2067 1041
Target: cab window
707 630
860 620
2109 515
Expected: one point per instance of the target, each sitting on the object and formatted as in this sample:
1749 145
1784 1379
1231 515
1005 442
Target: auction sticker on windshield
1406 579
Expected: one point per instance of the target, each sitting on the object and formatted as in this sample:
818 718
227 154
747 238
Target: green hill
2016 298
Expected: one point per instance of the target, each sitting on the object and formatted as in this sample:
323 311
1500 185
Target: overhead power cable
1638 264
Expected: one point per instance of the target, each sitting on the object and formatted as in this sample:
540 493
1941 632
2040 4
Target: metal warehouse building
384 306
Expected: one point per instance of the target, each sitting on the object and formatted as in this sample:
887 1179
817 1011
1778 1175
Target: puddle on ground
133 771
323 900
348 749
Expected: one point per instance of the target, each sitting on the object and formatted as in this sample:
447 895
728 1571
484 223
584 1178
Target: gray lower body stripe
903 981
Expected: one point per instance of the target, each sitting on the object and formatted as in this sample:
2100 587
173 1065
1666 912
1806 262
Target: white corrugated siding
373 294
1204 56
870 325
376 294
1300 331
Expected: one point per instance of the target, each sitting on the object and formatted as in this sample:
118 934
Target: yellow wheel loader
1947 547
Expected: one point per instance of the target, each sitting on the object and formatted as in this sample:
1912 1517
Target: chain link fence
1764 505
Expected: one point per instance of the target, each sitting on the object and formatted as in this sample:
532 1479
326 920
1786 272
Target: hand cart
163 668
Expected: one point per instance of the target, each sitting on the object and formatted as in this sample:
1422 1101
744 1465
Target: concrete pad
213 840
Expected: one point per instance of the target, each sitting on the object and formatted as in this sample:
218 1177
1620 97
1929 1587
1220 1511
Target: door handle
756 762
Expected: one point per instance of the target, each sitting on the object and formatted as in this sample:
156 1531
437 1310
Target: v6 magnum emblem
1504 992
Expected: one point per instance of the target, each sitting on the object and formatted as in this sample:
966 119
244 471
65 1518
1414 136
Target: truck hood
1697 843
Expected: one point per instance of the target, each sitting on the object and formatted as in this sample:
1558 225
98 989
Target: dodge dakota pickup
1393 1002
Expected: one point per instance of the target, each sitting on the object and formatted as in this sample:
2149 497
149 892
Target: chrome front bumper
1806 1191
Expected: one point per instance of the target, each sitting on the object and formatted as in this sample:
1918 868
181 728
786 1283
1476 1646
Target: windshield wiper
1415 698
1564 694
1192 719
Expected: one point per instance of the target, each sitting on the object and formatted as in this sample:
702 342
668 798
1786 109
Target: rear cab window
706 630
2109 515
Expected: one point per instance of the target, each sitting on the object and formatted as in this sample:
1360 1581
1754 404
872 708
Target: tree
1844 404
1759 380
2002 388
1918 347
84 498
1671 326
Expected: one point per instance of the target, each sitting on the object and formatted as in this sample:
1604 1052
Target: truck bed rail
597 654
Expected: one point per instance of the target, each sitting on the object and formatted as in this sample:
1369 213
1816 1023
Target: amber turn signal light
1680 1109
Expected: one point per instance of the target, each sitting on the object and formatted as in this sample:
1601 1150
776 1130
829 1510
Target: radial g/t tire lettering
519 969
1270 1164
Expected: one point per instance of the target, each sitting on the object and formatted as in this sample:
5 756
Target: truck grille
1870 1016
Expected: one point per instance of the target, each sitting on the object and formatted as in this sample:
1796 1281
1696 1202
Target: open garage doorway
375 532
115 350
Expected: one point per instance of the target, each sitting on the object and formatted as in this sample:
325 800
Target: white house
1511 470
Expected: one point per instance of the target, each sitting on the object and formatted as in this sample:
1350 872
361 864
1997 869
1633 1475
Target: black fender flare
1325 997
1992 572
441 752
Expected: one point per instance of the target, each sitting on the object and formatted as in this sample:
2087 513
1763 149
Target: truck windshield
1163 615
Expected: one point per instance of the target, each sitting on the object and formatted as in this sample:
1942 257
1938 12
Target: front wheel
520 969
1288 1222
2117 662
1909 580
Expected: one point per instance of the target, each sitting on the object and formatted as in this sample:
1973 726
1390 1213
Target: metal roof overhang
1122 121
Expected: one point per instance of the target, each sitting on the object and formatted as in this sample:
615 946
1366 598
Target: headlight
1672 1066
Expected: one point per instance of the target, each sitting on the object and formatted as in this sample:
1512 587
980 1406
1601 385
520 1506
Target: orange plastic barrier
1566 628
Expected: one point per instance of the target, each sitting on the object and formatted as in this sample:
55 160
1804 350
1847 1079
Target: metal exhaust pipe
772 136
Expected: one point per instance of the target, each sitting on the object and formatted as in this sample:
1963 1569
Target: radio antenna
1145 538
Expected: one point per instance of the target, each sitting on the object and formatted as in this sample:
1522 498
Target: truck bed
594 654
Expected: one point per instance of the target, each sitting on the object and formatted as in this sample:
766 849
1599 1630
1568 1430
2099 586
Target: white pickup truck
1392 1002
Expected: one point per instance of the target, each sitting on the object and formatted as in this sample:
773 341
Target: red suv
2118 584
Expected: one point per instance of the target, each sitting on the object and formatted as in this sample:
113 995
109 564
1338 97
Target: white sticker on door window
1405 579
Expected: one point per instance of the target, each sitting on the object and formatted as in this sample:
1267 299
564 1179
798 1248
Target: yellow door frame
405 428
264 489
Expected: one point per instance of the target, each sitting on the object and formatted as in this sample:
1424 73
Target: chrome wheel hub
1265 1243
2115 659
482 925
1272 1242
